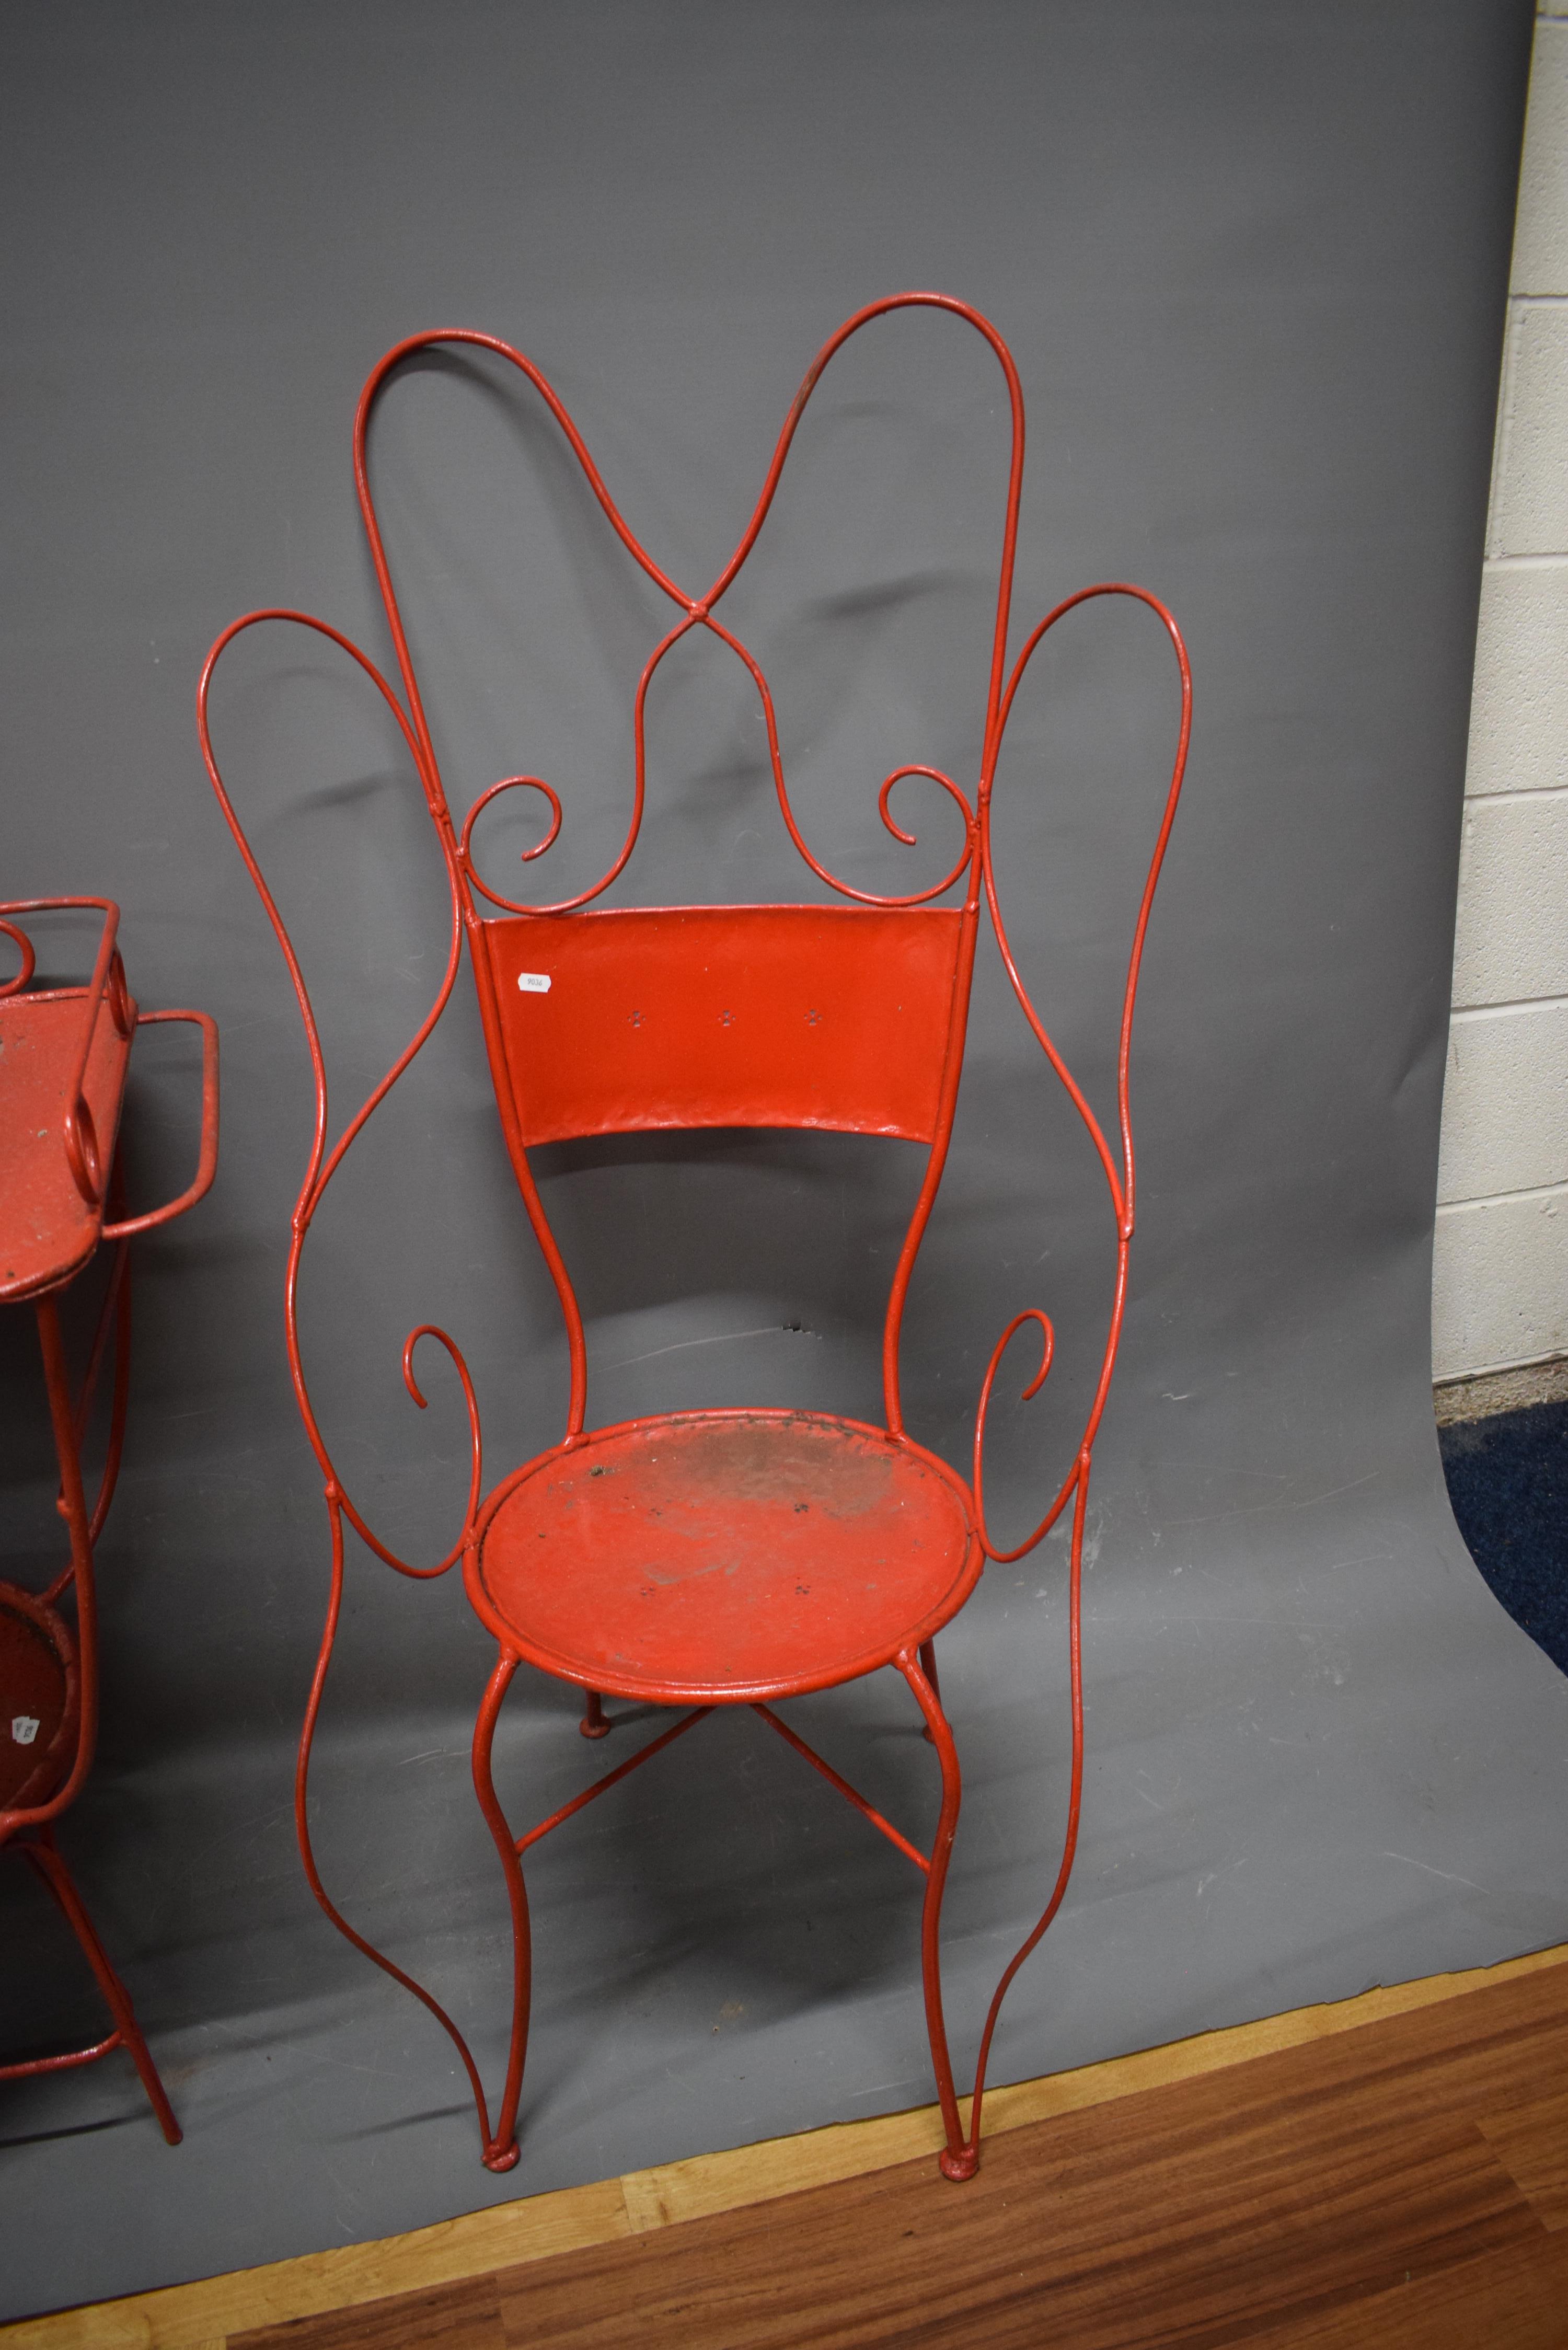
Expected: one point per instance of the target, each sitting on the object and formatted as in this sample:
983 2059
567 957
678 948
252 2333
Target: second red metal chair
64 1057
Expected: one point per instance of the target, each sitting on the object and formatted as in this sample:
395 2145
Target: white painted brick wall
1541 231
1490 1315
1499 1287
1519 716
1511 944
1530 493
1505 1124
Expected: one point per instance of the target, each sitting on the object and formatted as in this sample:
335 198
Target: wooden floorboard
1532 2143
452 2317
1194 2198
1353 2189
1516 2300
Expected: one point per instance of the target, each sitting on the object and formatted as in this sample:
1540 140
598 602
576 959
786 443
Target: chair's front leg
501 2153
928 1653
957 2159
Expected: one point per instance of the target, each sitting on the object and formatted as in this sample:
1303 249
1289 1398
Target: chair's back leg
40 1850
928 1667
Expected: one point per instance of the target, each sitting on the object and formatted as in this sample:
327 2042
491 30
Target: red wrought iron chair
64 1057
715 1558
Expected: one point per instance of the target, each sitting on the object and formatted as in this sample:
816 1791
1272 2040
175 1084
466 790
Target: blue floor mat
1508 1481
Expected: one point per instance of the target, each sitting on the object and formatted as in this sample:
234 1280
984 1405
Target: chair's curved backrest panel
726 1015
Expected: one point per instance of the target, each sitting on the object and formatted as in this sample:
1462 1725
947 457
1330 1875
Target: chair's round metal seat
38 1699
724 1555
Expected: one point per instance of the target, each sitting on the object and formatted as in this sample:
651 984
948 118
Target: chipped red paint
716 1558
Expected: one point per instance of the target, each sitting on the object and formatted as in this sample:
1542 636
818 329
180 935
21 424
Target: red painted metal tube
974 873
66 2062
850 1795
955 2160
500 2152
24 944
27 1827
128 2033
302 1826
51 1242
612 1778
1070 1838
207 1162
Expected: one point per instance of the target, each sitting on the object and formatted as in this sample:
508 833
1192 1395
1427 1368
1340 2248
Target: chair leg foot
961 2165
500 2157
592 1724
45 1859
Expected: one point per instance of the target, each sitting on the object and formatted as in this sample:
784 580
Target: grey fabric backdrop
1252 259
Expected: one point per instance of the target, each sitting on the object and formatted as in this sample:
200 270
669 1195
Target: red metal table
64 1057
721 1558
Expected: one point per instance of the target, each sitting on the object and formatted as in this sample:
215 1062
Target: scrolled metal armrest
207 1163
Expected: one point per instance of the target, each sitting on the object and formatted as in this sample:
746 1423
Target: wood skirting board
538 2228
1478 1394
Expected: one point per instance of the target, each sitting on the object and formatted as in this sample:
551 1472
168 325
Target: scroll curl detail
475 1444
526 856
911 840
1047 1352
15 985
894 901
781 790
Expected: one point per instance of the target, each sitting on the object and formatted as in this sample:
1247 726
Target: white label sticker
24 1727
533 983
